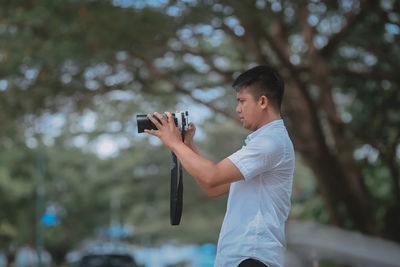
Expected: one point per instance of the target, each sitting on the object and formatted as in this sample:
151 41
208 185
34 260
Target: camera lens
144 123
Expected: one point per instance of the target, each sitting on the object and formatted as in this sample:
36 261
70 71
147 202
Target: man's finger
160 117
154 121
170 118
151 132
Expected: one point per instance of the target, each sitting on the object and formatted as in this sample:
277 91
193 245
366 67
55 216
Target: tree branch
226 74
179 89
352 20
370 75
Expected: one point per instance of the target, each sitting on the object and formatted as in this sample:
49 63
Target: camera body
181 121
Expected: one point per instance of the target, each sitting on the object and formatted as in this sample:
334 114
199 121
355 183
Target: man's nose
237 109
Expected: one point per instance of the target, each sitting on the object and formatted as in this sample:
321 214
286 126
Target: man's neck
270 118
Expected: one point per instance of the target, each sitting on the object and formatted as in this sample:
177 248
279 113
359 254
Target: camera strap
176 197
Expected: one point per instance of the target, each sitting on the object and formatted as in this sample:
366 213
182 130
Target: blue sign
49 219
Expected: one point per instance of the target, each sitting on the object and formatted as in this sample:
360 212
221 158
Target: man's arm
211 192
213 178
217 191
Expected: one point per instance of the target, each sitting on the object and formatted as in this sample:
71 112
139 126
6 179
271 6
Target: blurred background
80 187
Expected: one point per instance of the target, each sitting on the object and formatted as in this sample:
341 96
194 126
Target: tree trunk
339 182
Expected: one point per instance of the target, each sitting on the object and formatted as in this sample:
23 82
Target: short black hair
262 81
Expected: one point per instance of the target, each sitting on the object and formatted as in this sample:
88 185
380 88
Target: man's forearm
192 146
197 166
210 191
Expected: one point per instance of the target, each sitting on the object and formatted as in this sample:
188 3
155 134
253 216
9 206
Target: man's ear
264 102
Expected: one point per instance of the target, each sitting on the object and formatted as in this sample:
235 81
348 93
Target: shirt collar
265 128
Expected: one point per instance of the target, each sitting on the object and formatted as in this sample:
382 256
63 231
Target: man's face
248 109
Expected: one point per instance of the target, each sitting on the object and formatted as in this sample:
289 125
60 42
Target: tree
338 60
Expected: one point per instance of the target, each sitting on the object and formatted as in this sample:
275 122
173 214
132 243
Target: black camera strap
176 197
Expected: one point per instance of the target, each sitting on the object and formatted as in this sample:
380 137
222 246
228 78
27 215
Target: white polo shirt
258 206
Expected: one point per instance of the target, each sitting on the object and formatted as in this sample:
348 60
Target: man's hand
168 133
189 133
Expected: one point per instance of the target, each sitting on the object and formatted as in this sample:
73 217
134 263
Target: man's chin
248 127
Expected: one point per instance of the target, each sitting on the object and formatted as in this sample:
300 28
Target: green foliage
100 61
327 263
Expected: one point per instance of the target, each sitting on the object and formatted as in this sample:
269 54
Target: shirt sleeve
259 156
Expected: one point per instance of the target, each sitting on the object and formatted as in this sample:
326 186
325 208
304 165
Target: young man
258 177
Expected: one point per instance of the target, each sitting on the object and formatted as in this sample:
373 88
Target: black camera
181 121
